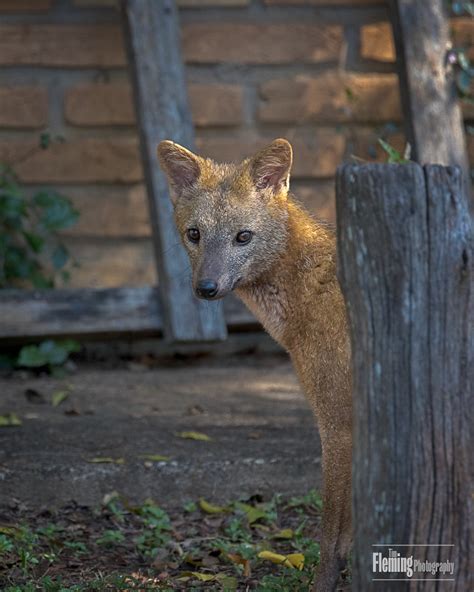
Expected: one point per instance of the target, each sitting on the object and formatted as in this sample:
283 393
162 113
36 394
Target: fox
244 232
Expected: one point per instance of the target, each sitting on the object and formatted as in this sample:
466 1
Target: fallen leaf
9 420
155 457
106 459
194 436
239 560
253 514
296 560
203 577
210 508
9 530
109 497
293 560
228 583
58 397
286 533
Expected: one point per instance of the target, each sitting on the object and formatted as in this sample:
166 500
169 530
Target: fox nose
206 288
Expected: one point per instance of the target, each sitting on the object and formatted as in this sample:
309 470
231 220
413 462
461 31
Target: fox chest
269 304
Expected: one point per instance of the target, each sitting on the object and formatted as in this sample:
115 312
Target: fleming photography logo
390 564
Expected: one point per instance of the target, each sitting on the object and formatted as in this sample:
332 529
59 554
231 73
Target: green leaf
35 241
32 357
70 345
54 352
41 281
44 140
155 457
58 212
9 420
253 514
210 508
58 397
106 460
60 256
394 157
194 436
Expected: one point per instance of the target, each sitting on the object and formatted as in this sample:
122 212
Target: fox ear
180 165
270 168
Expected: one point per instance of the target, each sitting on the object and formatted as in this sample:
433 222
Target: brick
62 45
316 155
99 104
324 2
248 43
23 106
331 97
377 39
376 42
112 104
25 5
99 160
463 34
318 198
216 104
112 263
110 212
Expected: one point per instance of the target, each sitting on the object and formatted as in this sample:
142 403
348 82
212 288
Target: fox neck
274 298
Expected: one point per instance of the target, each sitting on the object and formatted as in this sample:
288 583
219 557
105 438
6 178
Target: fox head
232 218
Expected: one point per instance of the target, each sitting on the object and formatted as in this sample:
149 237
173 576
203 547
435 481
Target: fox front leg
336 520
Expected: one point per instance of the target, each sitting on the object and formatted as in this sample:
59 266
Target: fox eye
193 235
244 237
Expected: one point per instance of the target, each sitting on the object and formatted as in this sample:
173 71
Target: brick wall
319 72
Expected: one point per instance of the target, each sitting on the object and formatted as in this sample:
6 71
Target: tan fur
287 278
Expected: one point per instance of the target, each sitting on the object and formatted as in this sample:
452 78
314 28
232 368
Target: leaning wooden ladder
153 38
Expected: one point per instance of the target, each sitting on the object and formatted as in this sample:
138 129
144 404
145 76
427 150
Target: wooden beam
433 118
153 38
106 313
406 256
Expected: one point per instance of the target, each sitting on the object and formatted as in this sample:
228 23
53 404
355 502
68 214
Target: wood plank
101 313
153 38
433 118
406 254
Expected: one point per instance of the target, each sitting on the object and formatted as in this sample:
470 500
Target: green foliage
394 157
31 252
223 549
50 353
111 538
157 527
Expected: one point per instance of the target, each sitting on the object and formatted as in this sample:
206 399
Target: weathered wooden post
406 258
432 112
153 36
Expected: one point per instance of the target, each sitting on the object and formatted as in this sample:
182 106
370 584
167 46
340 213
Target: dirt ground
262 434
159 475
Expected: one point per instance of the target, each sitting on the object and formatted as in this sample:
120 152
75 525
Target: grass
121 546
